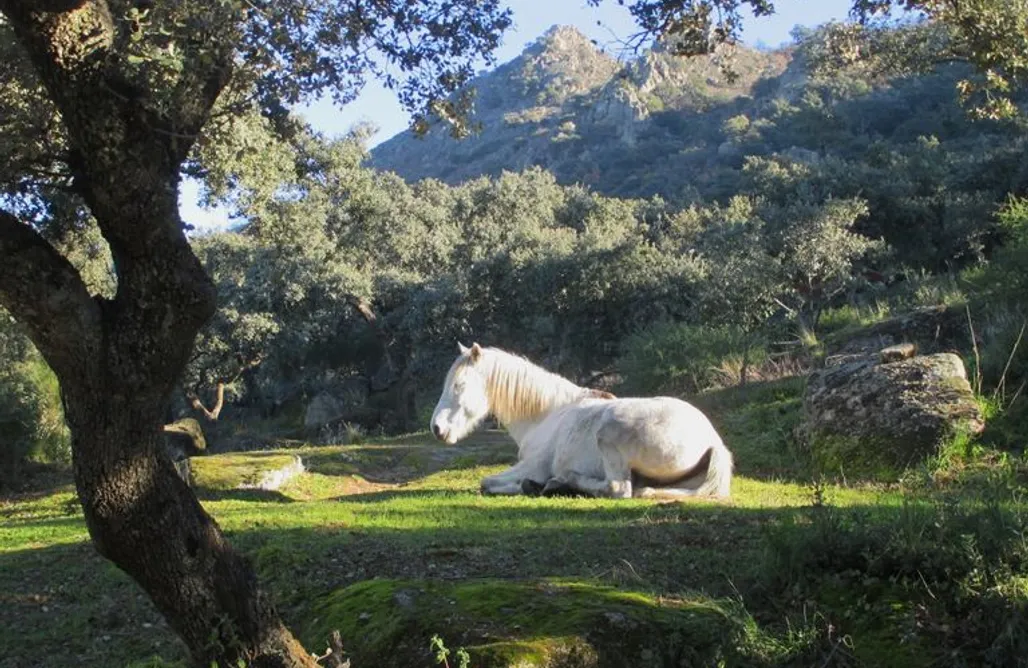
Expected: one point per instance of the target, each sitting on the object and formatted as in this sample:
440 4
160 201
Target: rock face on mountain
566 106
876 414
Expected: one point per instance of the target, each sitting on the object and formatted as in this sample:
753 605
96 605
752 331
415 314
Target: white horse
571 438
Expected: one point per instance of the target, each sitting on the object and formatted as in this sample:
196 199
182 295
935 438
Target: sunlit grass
406 513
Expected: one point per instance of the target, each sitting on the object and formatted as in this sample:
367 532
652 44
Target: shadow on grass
33 479
754 557
262 495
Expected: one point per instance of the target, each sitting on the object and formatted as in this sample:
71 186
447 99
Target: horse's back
660 415
659 436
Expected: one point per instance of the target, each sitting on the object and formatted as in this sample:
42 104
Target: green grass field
390 543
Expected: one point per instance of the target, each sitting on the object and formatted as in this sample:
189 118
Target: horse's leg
493 484
571 483
561 487
530 487
511 488
510 481
616 483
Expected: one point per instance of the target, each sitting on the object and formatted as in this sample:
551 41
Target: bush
1005 277
678 358
945 570
32 426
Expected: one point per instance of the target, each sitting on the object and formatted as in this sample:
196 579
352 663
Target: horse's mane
520 390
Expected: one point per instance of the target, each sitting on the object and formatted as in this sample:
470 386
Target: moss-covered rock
932 329
536 623
254 470
872 418
185 438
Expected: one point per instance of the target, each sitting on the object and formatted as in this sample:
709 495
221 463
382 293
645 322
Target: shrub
31 416
945 570
678 358
1005 276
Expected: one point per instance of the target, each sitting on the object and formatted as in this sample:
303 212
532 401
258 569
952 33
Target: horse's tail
719 473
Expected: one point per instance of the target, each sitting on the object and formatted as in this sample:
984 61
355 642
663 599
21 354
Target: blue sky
532 18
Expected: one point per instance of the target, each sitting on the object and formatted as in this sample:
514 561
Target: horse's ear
462 349
476 352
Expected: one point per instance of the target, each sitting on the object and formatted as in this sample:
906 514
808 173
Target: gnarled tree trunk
118 360
146 520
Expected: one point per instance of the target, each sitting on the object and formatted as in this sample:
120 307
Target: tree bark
146 520
118 360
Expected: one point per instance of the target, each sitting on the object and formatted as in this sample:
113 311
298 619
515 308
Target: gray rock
322 409
866 417
900 351
274 479
932 329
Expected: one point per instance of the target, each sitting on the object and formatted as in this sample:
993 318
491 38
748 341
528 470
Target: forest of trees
878 178
851 190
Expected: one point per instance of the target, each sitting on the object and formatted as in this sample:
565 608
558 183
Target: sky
606 24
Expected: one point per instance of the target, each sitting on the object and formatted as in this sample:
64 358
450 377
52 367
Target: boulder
931 329
273 479
870 416
184 438
322 409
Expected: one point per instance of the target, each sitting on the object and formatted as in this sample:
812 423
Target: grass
390 543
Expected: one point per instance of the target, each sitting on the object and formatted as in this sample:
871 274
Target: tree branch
362 306
45 292
219 402
67 41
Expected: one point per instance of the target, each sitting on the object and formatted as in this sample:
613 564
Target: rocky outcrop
273 479
875 415
932 329
567 106
620 108
184 438
322 409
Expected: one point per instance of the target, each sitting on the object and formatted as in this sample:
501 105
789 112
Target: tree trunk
147 521
118 360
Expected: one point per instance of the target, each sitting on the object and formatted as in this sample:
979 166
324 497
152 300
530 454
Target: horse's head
464 402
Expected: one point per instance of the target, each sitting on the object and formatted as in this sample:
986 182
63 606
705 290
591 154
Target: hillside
566 106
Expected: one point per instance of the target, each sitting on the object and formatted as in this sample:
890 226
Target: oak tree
104 101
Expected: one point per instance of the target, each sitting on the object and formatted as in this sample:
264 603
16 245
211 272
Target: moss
535 623
854 457
224 472
417 460
866 458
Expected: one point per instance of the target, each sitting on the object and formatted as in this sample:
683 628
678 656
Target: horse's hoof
530 487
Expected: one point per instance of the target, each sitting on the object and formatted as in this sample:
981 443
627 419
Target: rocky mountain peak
564 38
561 63
566 105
